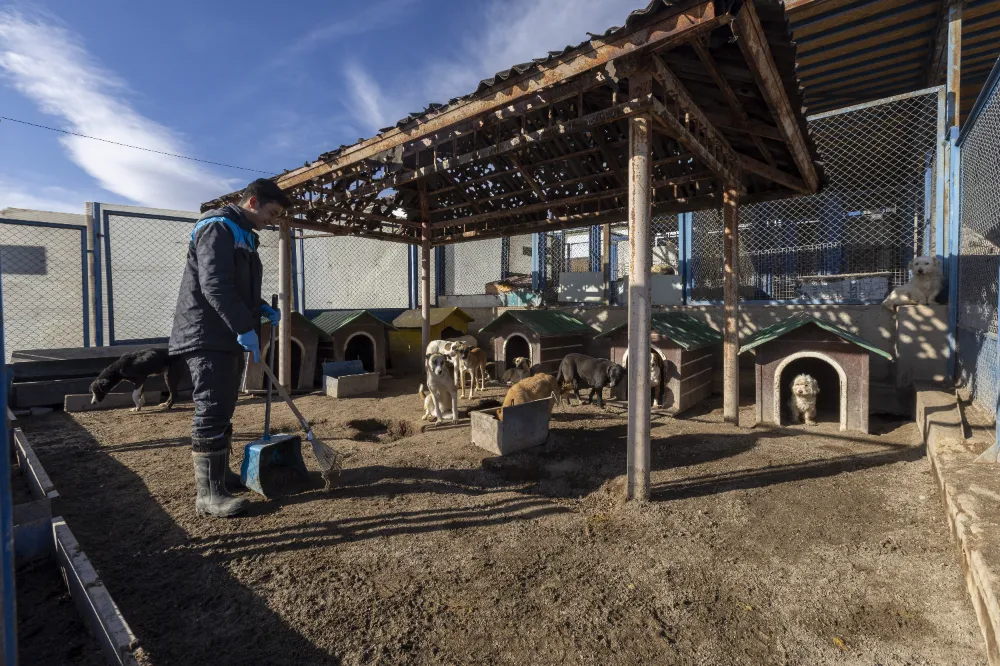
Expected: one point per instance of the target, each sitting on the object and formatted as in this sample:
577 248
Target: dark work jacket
220 291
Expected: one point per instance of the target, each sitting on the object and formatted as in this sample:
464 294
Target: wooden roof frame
540 147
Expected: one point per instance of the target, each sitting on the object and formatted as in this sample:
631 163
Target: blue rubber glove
271 313
250 342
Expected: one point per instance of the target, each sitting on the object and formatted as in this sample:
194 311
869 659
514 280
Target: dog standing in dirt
474 364
443 391
521 369
922 289
595 372
456 350
137 367
657 378
536 387
802 404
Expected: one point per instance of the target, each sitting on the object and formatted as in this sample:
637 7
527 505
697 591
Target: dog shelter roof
412 318
542 322
775 331
332 321
689 333
544 145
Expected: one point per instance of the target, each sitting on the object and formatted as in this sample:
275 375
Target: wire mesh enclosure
45 292
356 273
853 241
979 261
468 267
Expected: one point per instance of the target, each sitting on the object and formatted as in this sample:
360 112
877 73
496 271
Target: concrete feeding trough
523 426
343 379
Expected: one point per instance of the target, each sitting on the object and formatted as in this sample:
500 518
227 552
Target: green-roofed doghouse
544 337
353 335
833 356
306 338
690 350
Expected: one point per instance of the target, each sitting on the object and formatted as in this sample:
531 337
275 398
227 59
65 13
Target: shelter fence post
640 251
606 262
285 303
425 270
731 298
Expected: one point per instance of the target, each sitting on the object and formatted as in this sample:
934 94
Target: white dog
442 387
803 401
456 350
923 287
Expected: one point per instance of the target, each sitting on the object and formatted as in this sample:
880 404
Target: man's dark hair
266 191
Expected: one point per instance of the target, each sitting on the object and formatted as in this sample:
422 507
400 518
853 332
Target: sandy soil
761 546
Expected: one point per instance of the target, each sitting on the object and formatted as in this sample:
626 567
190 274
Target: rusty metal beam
773 174
675 27
526 175
727 91
753 43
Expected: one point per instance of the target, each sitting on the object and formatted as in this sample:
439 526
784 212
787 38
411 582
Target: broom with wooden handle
328 459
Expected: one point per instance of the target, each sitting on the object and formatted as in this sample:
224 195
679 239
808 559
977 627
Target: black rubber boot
209 481
233 480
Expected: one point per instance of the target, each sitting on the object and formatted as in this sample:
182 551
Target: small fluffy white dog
923 287
442 388
803 402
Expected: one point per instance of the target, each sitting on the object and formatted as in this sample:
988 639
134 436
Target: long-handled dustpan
263 458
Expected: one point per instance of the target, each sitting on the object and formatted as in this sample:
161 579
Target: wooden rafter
527 176
753 43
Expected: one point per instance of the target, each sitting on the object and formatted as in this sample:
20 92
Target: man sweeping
216 322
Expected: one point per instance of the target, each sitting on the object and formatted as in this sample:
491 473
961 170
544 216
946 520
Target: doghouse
306 338
542 336
689 349
405 344
836 358
353 335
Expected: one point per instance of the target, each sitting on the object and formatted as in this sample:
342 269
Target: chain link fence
341 273
979 260
45 291
469 267
854 240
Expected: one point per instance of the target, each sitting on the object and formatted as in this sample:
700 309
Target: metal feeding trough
343 379
522 427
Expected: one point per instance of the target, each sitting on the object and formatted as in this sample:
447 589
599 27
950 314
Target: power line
126 145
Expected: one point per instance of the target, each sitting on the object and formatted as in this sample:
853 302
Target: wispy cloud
15 193
511 32
50 66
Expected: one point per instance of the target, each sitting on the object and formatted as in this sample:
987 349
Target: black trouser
217 377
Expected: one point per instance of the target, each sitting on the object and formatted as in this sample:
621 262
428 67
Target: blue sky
257 84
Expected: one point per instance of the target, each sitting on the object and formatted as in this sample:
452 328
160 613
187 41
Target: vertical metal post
505 257
955 250
684 221
8 597
413 275
440 274
294 271
285 304
425 269
302 272
953 90
640 255
536 261
731 299
94 252
606 261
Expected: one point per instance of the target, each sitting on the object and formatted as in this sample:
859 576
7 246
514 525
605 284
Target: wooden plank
675 27
954 71
753 43
774 175
676 129
526 175
38 480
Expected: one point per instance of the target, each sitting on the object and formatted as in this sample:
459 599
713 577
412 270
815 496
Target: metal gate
45 288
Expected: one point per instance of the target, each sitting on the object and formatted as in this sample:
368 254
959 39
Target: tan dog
803 401
474 363
923 287
446 406
536 387
521 369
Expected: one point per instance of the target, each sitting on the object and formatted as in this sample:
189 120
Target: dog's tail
422 392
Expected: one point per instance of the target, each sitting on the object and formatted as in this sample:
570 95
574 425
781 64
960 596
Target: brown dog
536 387
475 363
521 369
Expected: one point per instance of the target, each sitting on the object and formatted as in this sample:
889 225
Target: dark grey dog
594 372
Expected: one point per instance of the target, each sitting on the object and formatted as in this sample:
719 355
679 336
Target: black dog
595 372
137 367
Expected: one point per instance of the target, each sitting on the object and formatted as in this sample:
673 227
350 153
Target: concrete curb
971 493
39 482
80 402
92 599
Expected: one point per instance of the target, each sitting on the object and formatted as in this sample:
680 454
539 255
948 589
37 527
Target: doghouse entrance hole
450 333
296 361
380 430
516 346
361 348
828 402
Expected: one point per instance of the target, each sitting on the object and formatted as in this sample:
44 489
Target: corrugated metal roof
413 318
775 331
334 320
683 329
542 322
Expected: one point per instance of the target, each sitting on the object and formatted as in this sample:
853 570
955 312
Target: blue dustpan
265 459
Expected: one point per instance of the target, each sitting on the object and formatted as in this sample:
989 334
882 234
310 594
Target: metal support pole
425 270
285 304
606 262
953 88
8 599
731 299
640 254
94 270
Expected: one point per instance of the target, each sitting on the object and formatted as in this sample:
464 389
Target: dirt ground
760 546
